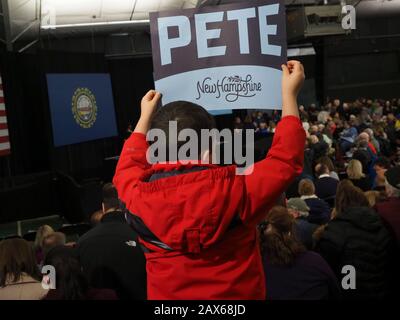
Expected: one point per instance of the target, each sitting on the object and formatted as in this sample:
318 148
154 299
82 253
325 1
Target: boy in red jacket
197 223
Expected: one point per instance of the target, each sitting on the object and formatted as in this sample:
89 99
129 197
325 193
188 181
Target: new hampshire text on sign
221 57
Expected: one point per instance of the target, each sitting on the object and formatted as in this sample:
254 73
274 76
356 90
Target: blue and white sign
221 57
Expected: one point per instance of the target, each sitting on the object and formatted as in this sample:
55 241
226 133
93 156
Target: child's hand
148 107
292 78
149 104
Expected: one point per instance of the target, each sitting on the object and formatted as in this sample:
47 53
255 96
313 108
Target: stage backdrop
221 57
82 107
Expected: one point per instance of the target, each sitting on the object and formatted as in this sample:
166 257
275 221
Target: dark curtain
24 78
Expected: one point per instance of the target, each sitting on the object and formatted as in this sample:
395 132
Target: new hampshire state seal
84 107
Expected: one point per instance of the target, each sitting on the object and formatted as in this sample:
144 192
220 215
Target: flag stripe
4 134
4 145
4 152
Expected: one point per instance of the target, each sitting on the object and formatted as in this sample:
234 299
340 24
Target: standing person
188 215
357 237
292 272
110 253
19 274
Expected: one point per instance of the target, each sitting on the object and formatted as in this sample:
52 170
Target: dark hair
328 162
382 162
347 195
17 257
110 196
188 115
323 168
306 187
279 242
70 281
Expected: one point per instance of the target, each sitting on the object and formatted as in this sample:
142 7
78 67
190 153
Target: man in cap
304 230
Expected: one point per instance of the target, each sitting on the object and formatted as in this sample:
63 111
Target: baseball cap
298 204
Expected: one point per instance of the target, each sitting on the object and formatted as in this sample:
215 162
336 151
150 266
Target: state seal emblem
84 107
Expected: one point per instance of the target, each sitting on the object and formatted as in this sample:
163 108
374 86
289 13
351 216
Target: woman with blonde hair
41 234
355 174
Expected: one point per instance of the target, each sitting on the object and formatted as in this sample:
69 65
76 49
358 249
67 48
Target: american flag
4 138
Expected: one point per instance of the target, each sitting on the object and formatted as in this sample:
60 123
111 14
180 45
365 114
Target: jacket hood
195 204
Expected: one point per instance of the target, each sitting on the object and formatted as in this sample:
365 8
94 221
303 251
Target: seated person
292 272
304 229
325 185
320 212
71 283
53 240
20 278
355 174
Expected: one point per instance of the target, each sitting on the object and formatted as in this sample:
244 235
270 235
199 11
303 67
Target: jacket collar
113 216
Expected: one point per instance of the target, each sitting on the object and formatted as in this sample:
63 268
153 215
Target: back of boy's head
187 115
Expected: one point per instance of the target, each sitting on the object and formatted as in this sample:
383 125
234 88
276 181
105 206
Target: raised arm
133 162
271 176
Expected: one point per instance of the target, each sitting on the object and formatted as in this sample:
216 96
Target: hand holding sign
149 103
292 80
148 106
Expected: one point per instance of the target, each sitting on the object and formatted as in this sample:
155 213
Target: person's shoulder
311 256
88 235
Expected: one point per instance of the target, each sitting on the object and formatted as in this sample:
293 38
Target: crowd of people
168 231
344 208
105 263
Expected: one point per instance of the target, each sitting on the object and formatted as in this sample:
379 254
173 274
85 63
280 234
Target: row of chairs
71 231
46 194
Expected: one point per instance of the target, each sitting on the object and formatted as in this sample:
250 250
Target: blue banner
81 106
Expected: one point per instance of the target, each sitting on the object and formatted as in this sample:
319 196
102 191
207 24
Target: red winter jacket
199 227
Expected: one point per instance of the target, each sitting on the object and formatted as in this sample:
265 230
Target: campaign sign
221 57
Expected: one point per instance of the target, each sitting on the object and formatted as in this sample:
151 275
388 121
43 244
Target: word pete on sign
221 57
